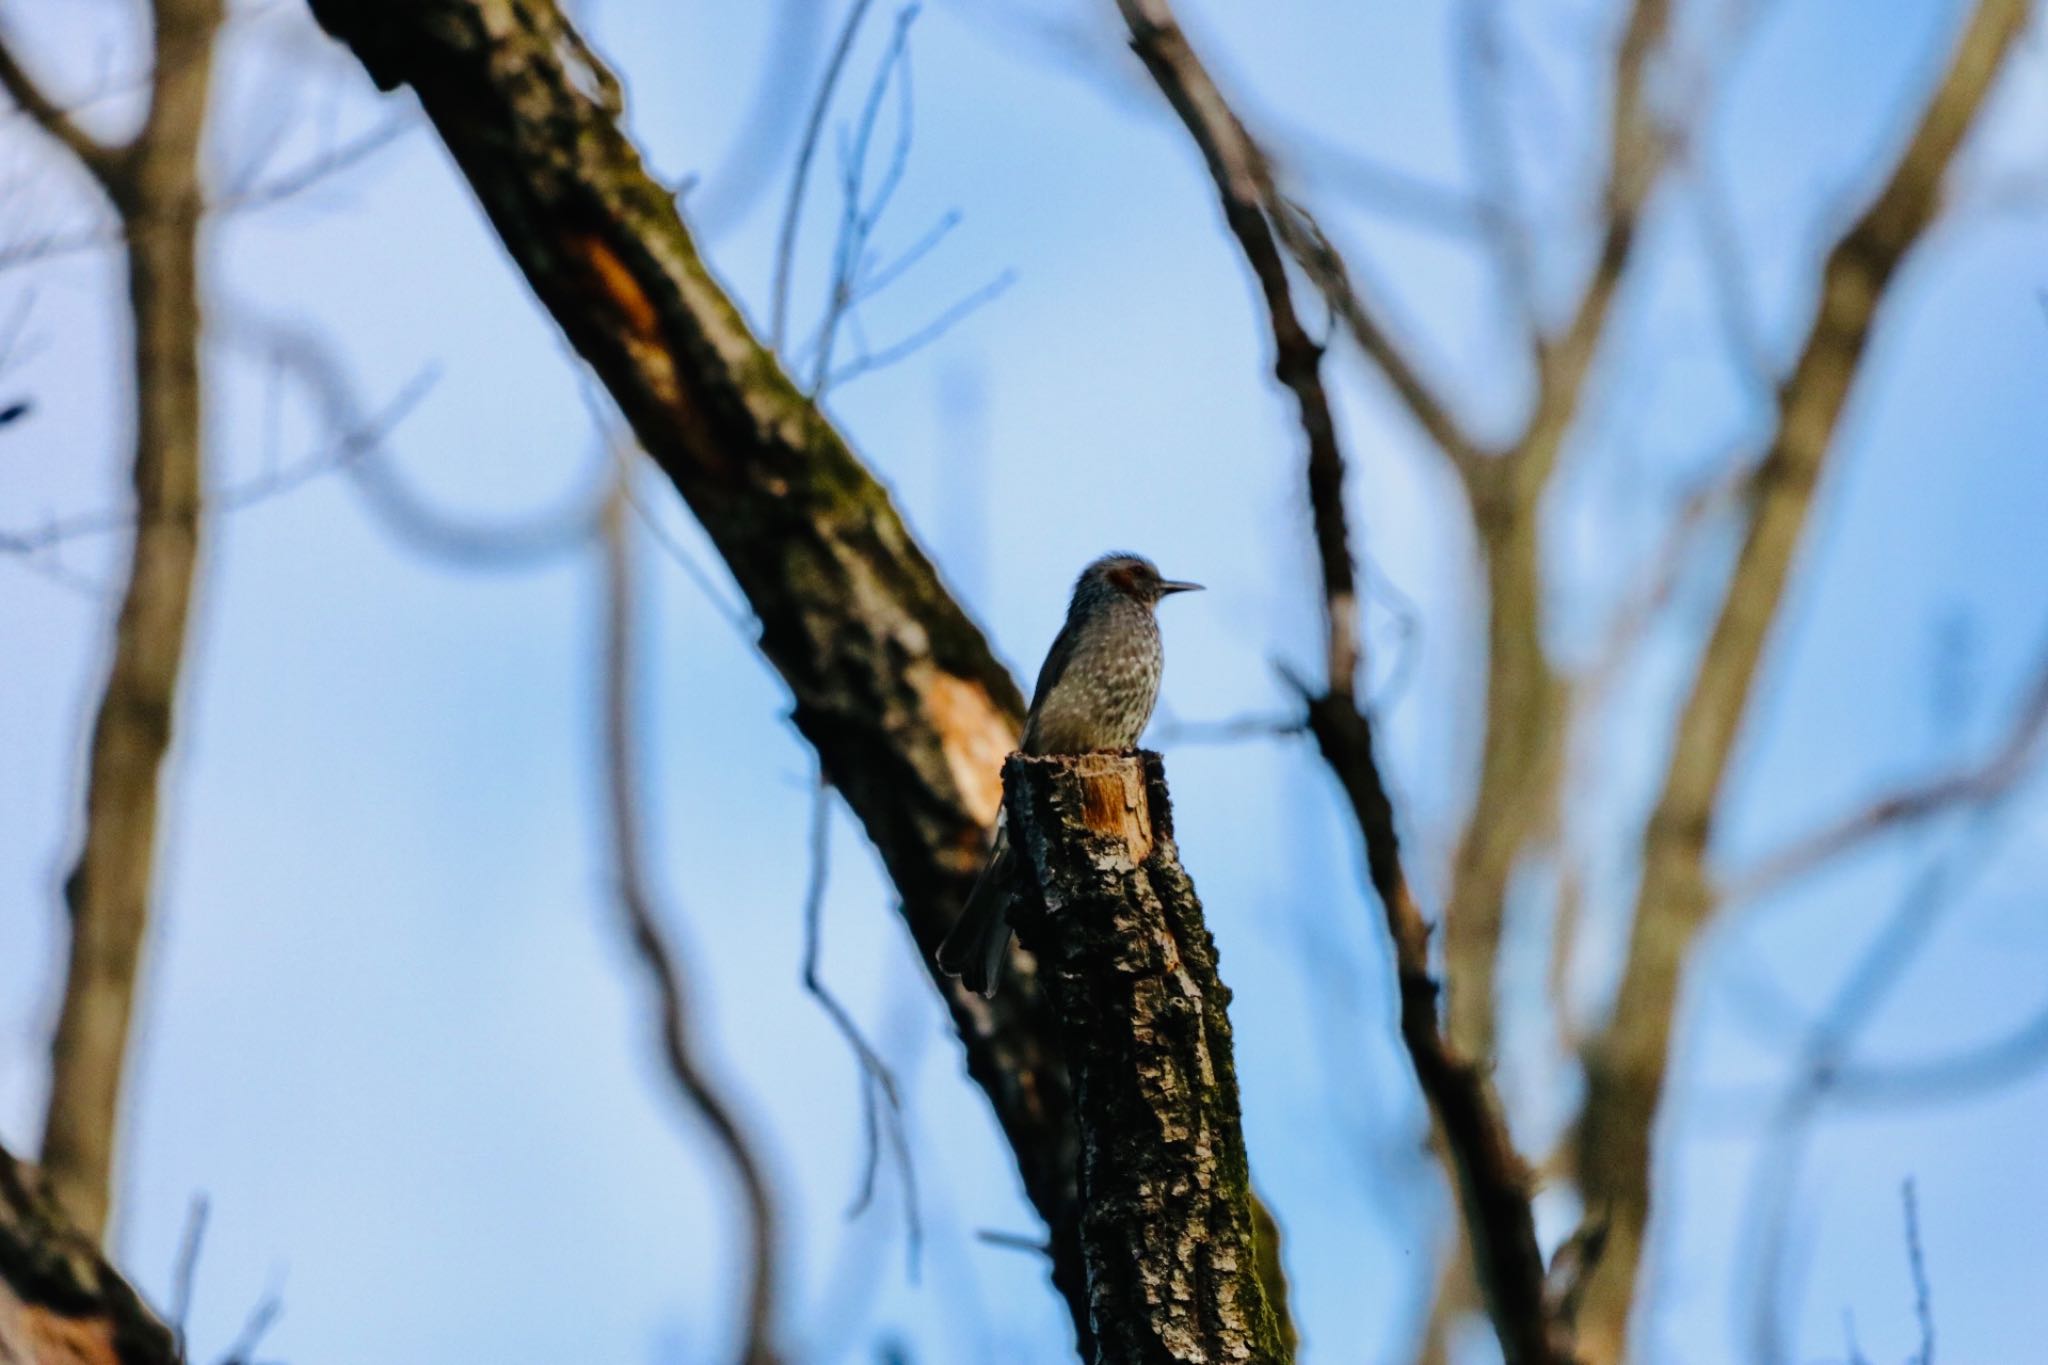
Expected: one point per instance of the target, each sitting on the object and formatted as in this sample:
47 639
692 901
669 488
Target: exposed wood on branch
1168 1227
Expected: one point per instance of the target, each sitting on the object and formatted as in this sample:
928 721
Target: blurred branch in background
881 1100
689 1070
153 185
301 352
1627 1063
1821 1059
1971 785
1492 1181
857 273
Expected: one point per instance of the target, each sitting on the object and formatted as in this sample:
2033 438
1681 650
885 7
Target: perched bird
1095 693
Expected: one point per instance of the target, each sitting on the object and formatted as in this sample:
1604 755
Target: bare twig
336 453
2015 1055
861 210
1970 785
524 542
252 194
881 1101
693 1081
105 164
1482 90
1169 731
792 208
1827 1050
184 1274
1916 1263
257 1326
869 361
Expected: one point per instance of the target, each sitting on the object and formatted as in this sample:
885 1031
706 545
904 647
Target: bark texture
1168 1230
154 186
60 1303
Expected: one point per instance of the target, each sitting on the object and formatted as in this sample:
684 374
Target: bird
1095 694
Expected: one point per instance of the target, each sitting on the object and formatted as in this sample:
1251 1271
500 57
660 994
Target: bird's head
1129 576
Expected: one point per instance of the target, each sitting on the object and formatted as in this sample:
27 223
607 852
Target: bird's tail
975 947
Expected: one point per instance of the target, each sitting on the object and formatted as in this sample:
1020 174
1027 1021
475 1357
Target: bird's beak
1169 586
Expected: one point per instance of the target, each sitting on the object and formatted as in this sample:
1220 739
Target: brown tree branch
1626 1064
60 1302
1168 1228
1491 1179
1521 753
693 1080
157 194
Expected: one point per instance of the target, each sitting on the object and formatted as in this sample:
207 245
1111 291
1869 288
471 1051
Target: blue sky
390 1030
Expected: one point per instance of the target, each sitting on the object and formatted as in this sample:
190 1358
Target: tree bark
60 1302
1167 1228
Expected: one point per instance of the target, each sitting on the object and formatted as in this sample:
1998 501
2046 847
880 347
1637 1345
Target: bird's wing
1056 660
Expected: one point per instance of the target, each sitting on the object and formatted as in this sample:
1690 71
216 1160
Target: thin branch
1382 188
1482 88
693 1081
1169 731
257 1326
1916 1263
105 164
1829 1045
1968 786
252 194
184 1274
337 453
860 211
521 543
878 1082
1741 329
870 361
1967 1072
792 208
1325 267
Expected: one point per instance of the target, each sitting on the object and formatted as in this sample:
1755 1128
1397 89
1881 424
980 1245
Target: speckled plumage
1095 692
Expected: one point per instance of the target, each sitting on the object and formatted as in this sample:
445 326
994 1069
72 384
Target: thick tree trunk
1167 1229
60 1303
